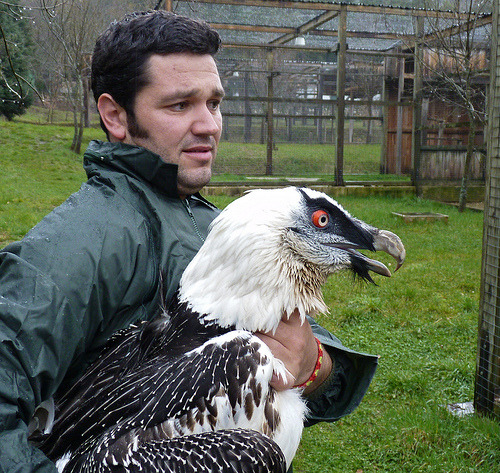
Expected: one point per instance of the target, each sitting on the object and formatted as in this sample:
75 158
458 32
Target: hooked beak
390 243
383 240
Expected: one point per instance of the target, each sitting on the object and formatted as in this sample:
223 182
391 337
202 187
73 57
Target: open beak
383 240
373 265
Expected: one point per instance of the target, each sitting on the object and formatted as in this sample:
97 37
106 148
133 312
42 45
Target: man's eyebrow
217 92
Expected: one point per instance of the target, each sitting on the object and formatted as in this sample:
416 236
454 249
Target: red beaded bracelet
319 361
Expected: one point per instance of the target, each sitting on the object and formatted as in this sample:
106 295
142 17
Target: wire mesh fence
285 104
487 389
282 99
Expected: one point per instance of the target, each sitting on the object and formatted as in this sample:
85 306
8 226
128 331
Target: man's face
177 116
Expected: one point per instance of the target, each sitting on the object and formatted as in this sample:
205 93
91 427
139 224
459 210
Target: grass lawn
38 171
299 160
422 322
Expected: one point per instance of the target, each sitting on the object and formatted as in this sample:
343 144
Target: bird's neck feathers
253 283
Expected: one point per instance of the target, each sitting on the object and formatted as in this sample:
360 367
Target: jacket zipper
193 220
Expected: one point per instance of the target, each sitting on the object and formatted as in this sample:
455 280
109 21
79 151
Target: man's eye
179 107
214 104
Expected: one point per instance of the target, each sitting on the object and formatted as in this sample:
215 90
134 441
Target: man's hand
293 343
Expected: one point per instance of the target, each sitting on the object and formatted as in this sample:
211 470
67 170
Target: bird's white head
270 251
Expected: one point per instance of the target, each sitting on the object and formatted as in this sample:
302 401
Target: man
94 265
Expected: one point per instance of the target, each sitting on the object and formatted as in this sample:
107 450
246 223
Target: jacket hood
133 161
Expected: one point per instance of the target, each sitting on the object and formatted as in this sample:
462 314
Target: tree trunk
75 129
78 117
86 111
462 200
78 144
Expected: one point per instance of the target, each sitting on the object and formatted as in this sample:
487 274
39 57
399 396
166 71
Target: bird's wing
187 389
121 348
226 451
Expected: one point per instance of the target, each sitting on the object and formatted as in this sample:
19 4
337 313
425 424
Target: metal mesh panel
301 89
487 392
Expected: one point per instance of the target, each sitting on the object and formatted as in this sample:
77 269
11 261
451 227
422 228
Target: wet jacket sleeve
64 290
31 351
344 389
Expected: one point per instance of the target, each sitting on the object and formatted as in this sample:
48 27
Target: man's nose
207 122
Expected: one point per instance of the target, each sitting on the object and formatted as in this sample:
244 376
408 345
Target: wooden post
341 65
487 385
425 120
385 129
247 133
270 113
399 130
351 124
369 123
319 114
417 106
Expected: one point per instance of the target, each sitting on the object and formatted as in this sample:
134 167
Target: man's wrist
323 373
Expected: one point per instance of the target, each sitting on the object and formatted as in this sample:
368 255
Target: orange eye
320 218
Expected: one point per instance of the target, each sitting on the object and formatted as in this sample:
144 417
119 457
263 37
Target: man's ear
113 116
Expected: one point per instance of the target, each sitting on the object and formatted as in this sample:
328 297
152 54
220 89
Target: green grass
422 321
38 172
299 160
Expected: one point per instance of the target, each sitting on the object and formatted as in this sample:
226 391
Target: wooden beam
270 114
252 28
487 384
401 11
312 117
300 5
360 52
380 103
417 108
275 46
293 32
459 29
399 128
306 27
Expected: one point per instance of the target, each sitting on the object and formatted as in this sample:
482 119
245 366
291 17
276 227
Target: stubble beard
189 181
193 180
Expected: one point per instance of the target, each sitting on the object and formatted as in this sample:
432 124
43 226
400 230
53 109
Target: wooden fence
448 163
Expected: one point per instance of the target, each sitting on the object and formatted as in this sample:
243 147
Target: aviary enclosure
333 73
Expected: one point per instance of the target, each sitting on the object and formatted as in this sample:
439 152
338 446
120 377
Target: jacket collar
131 160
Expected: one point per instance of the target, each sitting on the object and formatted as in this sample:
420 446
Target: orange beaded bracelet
319 362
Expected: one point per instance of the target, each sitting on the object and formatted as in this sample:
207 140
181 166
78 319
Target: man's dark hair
121 52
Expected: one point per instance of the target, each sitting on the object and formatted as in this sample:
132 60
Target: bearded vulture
189 391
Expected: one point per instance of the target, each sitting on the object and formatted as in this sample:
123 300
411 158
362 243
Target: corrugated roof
367 30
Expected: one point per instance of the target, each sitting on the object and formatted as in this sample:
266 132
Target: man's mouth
199 151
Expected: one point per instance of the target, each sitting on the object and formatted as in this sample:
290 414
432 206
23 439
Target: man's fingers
294 345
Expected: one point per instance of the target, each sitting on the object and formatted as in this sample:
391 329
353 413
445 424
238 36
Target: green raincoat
91 267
